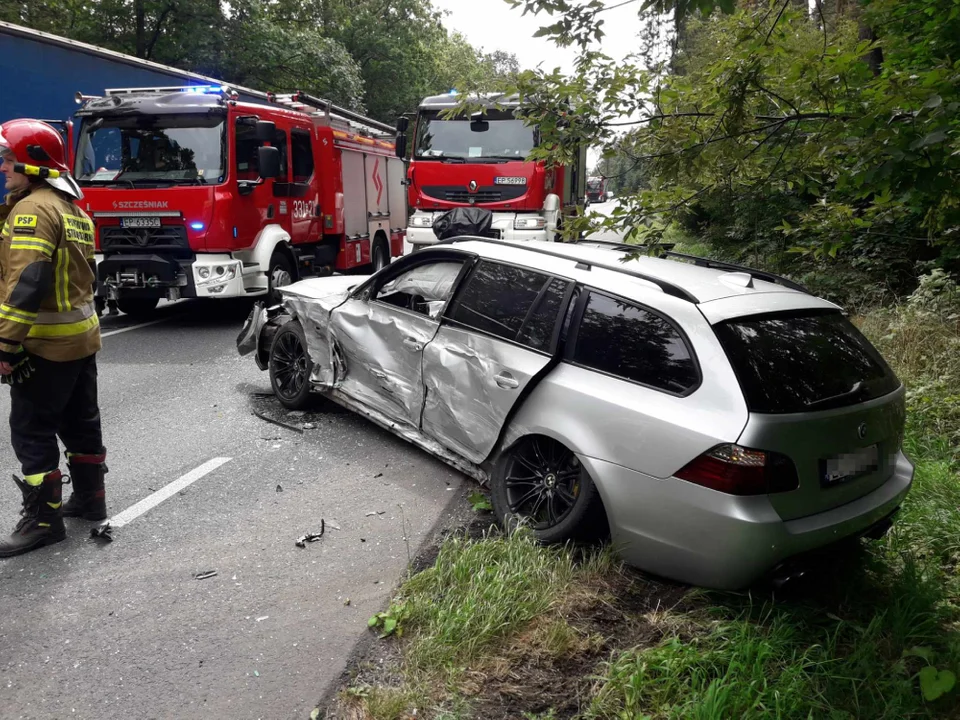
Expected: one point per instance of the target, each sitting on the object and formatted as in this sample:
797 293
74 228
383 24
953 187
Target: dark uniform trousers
57 399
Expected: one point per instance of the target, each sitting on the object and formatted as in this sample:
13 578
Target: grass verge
501 627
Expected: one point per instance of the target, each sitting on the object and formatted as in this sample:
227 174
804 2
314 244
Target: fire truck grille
484 194
167 238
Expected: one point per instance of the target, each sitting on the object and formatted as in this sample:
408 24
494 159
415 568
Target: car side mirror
401 145
402 124
266 130
268 159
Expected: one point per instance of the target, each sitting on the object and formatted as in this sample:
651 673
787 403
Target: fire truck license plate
140 222
509 181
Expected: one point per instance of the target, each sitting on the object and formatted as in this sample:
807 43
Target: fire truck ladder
301 102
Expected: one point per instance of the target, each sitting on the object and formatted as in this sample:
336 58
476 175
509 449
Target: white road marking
137 327
151 501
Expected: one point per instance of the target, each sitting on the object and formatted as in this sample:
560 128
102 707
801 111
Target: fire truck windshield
503 137
142 150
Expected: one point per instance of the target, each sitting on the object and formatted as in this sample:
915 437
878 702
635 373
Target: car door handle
413 344
507 381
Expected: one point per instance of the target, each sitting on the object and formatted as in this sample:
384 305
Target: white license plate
509 181
848 466
140 222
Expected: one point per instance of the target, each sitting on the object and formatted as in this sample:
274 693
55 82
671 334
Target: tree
766 108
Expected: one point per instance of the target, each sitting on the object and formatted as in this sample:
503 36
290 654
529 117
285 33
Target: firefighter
49 336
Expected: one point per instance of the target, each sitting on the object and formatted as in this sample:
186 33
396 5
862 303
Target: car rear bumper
696 535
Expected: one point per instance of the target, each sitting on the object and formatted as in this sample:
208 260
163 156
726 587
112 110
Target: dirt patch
554 664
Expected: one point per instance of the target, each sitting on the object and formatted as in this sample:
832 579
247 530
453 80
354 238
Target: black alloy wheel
542 483
290 367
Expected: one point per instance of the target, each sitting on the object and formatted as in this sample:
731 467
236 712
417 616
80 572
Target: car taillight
741 471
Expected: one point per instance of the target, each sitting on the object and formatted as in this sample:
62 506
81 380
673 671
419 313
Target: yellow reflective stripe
25 314
62 281
42 241
36 479
30 244
46 317
64 329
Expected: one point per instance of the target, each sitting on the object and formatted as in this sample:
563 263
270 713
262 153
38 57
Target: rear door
819 393
499 335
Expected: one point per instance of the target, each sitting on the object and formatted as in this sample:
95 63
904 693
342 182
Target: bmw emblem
862 431
472 187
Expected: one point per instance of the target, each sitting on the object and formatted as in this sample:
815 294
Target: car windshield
593 185
500 136
132 150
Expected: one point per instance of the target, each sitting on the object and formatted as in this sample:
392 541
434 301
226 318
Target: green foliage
368 55
479 502
842 149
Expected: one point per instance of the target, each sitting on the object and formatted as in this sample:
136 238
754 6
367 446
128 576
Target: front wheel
280 275
137 307
540 482
380 256
290 367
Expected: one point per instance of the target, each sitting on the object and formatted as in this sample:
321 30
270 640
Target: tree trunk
141 45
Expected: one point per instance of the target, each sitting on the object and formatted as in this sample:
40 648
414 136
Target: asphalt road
124 629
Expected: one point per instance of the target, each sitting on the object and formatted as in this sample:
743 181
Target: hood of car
319 288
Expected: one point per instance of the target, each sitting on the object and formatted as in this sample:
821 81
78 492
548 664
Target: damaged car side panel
381 348
472 383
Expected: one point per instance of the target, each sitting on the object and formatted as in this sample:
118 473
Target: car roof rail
666 286
733 267
626 247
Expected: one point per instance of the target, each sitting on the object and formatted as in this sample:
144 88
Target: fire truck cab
482 161
195 194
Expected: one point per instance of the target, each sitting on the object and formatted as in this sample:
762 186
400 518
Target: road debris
334 525
279 487
262 618
311 537
309 426
376 512
102 532
279 423
378 475
205 574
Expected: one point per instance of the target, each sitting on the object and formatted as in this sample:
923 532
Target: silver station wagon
723 422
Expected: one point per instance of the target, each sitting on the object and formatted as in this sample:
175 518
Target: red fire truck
596 189
481 161
196 194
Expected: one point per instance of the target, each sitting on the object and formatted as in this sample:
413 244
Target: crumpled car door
499 337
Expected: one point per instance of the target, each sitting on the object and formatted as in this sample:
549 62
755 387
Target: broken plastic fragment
311 537
102 532
205 574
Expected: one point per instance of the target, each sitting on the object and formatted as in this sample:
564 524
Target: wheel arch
273 238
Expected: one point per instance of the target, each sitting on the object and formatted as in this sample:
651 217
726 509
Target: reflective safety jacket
47 279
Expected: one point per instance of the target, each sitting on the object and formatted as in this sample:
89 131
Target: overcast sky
494 25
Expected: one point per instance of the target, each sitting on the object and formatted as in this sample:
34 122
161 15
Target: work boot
41 521
88 500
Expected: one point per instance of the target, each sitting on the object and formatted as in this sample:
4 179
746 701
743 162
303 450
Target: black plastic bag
464 221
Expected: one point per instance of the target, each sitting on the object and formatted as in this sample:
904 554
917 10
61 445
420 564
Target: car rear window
790 363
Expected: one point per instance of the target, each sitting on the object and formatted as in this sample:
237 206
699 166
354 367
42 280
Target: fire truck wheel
281 274
137 307
290 367
380 256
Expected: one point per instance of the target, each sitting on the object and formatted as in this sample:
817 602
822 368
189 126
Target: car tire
540 482
290 367
137 307
281 274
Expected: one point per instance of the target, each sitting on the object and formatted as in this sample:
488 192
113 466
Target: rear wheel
379 255
540 482
137 307
290 367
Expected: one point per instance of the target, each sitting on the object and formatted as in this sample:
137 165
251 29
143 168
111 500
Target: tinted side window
537 332
622 339
302 156
497 298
